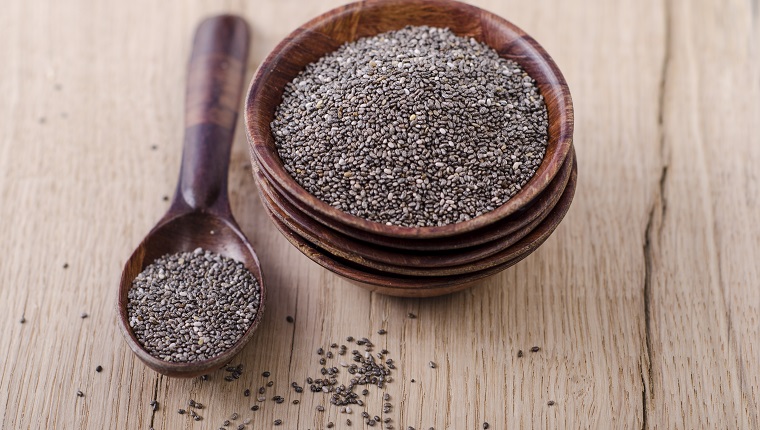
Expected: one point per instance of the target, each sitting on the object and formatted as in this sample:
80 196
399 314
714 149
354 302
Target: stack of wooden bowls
411 261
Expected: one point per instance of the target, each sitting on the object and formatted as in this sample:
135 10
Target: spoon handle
214 89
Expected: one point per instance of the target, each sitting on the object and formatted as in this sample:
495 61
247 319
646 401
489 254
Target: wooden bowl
411 286
394 260
329 31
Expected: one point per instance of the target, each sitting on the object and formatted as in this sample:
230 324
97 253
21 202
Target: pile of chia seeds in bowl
192 306
415 127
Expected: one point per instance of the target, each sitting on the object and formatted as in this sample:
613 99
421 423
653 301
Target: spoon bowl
200 214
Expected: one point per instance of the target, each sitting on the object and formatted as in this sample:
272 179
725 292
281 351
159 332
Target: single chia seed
192 306
486 426
414 127
99 369
535 349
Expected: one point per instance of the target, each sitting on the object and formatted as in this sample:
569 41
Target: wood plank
636 255
704 234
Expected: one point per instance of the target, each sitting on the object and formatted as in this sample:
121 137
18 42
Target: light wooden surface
645 302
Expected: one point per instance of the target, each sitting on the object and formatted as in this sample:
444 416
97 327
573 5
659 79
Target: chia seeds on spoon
192 306
415 127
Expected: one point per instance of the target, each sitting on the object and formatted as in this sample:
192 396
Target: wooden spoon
200 214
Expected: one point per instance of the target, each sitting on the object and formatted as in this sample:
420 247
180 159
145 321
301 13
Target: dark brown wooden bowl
329 31
410 286
391 260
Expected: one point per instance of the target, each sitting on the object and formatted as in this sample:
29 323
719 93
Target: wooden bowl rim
390 282
260 141
402 262
482 262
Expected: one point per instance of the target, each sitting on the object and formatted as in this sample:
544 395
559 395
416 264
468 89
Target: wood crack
657 212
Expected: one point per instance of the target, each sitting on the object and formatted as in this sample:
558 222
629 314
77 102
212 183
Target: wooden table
645 303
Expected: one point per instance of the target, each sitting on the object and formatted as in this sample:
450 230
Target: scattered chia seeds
415 127
192 306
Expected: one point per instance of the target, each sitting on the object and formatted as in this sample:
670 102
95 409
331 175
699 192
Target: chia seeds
415 127
192 306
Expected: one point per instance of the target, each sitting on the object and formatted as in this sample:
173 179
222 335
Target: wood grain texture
644 302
